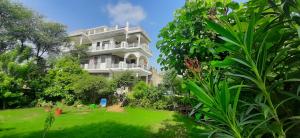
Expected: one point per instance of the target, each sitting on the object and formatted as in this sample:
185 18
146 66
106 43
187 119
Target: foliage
219 105
49 38
139 89
172 82
123 79
263 54
90 88
79 51
13 75
143 95
25 39
9 90
61 77
17 23
188 36
262 44
257 44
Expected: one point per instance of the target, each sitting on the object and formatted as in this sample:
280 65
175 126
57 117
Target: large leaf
222 64
226 35
236 99
248 39
241 62
224 96
200 93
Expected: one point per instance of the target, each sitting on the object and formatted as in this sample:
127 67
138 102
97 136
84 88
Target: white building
115 49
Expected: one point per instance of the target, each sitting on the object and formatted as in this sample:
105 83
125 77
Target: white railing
102 30
109 29
119 46
113 66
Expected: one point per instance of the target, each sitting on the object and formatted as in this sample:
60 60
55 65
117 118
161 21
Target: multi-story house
115 49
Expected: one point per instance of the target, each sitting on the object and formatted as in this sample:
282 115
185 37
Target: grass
87 123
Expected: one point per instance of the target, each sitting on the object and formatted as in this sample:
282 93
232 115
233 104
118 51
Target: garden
230 70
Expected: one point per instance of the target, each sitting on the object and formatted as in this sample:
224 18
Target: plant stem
262 87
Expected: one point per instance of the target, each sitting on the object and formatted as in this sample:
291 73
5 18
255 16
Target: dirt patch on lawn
115 108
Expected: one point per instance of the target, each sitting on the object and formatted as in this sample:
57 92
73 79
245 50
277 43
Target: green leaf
294 118
200 93
233 5
236 99
213 115
258 125
241 62
228 40
244 76
221 64
249 35
298 30
224 96
227 35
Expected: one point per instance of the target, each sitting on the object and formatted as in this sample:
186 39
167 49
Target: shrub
147 96
61 77
90 88
140 90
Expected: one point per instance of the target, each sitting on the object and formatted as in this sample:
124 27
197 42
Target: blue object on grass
103 102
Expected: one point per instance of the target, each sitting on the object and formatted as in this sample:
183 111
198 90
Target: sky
151 15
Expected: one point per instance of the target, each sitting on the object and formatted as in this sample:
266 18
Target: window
105 44
98 44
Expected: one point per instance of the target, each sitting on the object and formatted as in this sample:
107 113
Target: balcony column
138 61
124 64
139 40
147 81
81 39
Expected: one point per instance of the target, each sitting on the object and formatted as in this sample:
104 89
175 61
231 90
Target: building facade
115 49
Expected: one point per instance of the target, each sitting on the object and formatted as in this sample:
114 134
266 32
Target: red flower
193 65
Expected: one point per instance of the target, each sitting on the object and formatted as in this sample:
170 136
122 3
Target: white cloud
122 12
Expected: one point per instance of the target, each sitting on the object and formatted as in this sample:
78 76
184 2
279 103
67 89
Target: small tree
90 88
61 77
123 79
171 81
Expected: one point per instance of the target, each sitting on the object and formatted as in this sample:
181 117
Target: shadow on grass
6 129
96 130
179 127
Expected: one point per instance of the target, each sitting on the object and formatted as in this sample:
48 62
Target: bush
61 77
147 96
90 88
140 90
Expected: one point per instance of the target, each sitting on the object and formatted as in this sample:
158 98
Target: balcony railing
109 29
114 66
122 45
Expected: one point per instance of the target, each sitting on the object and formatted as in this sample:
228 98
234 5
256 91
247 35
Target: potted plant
58 110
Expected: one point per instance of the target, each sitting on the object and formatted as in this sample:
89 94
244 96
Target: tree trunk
3 106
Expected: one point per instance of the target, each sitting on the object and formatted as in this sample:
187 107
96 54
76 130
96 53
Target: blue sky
152 15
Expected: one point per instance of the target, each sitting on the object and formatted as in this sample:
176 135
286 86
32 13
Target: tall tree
48 38
187 35
16 23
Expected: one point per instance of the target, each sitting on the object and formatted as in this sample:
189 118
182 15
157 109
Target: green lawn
86 123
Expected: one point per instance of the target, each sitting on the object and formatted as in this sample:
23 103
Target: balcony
104 29
122 46
94 68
